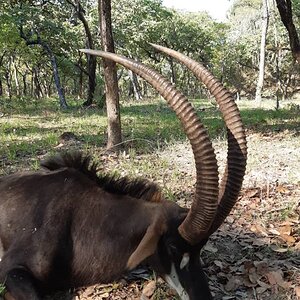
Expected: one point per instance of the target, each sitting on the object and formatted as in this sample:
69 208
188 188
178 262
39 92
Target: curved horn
195 226
237 145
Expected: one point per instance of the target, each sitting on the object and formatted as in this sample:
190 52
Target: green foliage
137 22
2 289
230 50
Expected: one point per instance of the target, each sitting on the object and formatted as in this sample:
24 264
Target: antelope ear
148 244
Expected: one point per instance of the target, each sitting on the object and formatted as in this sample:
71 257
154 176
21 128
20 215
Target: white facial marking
173 280
185 260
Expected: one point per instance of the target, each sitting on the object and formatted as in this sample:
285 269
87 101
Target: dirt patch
272 158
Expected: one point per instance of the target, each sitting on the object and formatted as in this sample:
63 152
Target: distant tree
286 14
110 75
265 23
39 41
80 14
27 23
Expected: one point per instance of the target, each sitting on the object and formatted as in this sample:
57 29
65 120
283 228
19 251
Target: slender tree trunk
286 14
278 62
15 73
110 75
49 86
38 89
145 89
80 83
24 84
8 82
135 86
1 88
62 100
173 76
45 87
1 84
39 41
32 83
260 81
90 58
90 44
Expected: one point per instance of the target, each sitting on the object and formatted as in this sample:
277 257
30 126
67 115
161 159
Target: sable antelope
65 226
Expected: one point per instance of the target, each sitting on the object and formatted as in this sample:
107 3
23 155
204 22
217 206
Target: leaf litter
256 253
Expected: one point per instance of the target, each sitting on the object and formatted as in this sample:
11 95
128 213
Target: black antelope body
65 226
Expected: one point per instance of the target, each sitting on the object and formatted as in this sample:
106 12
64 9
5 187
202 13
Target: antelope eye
173 249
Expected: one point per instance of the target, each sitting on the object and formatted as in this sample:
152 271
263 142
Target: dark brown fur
136 188
64 226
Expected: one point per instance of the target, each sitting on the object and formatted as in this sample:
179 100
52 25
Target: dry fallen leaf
275 278
274 231
282 189
218 264
260 290
233 283
104 296
210 248
263 284
259 229
297 246
279 249
289 239
149 288
261 267
251 193
297 291
287 229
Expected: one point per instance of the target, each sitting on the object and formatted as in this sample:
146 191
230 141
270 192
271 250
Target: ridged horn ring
199 219
237 145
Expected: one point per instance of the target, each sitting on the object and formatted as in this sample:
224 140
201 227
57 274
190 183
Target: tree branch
286 15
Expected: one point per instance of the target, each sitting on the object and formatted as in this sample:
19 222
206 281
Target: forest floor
255 255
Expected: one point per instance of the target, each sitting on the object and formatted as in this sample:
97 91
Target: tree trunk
32 83
90 58
260 81
37 86
1 85
62 100
278 63
16 79
24 84
110 76
286 14
80 87
49 86
1 88
39 41
173 76
8 83
135 86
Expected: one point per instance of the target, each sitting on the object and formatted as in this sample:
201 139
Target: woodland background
52 98
40 39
